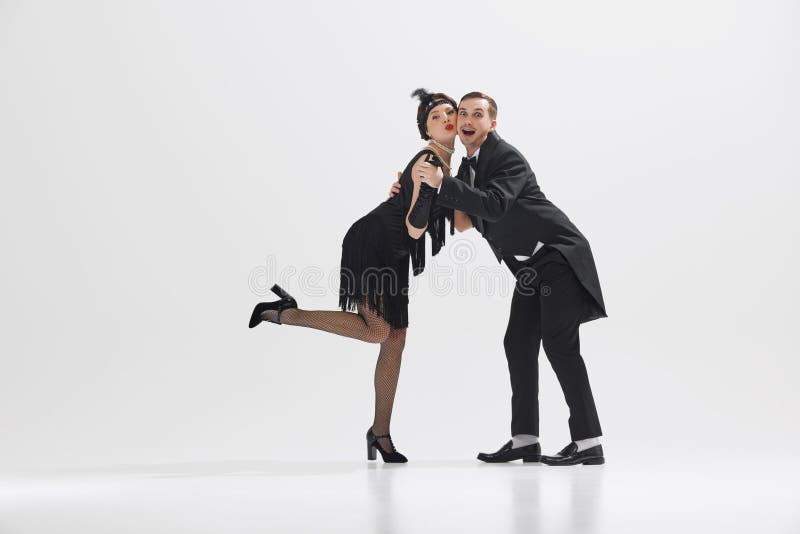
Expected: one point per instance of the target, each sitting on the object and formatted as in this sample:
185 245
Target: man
557 286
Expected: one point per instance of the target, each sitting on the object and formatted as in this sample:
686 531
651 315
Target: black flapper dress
376 252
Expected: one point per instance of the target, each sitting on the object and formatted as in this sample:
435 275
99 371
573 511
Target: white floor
632 495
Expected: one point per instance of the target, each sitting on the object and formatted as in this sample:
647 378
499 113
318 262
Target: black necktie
467 163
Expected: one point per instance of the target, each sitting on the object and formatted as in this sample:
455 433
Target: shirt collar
475 155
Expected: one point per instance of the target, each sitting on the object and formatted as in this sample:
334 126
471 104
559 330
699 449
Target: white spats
584 444
521 440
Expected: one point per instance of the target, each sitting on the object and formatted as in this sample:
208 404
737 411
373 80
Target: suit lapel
487 150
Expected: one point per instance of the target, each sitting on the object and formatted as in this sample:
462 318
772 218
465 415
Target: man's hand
428 173
395 186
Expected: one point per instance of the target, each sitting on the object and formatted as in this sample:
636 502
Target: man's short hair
478 94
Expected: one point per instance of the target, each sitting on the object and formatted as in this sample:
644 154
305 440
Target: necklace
448 151
440 145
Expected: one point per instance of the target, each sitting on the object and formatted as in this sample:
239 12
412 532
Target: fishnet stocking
366 326
387 371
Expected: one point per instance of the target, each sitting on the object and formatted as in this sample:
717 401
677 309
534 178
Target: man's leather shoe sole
555 460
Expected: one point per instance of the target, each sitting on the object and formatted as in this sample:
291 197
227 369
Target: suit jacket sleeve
505 181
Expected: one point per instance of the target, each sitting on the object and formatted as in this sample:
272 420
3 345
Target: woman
374 268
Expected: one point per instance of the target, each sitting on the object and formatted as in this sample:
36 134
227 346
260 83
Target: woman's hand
395 186
428 173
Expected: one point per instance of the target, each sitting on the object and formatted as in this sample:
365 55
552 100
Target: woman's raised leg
365 325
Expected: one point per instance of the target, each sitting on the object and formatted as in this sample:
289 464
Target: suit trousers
546 308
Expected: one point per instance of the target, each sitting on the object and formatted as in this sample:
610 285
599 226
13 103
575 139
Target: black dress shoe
390 457
569 455
528 453
286 302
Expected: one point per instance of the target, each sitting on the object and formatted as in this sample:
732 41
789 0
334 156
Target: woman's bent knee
378 332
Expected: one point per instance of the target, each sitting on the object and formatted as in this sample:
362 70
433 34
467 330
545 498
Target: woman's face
441 124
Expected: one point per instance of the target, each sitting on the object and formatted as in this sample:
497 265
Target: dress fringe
372 275
437 230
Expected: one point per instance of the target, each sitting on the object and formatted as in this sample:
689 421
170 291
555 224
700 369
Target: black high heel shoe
286 302
390 457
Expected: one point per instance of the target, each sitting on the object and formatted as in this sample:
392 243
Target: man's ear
494 124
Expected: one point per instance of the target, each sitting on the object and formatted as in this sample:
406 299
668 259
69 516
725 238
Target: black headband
432 104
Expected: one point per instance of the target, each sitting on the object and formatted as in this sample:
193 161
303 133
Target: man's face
474 123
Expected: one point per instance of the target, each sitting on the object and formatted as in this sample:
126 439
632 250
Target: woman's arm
413 231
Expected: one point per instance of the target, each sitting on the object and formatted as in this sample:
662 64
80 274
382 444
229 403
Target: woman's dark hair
428 101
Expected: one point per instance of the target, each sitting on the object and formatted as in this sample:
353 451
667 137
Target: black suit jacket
515 215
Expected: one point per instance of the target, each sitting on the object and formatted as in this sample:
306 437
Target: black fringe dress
376 252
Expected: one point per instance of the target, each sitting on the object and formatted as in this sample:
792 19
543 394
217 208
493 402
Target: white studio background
163 163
